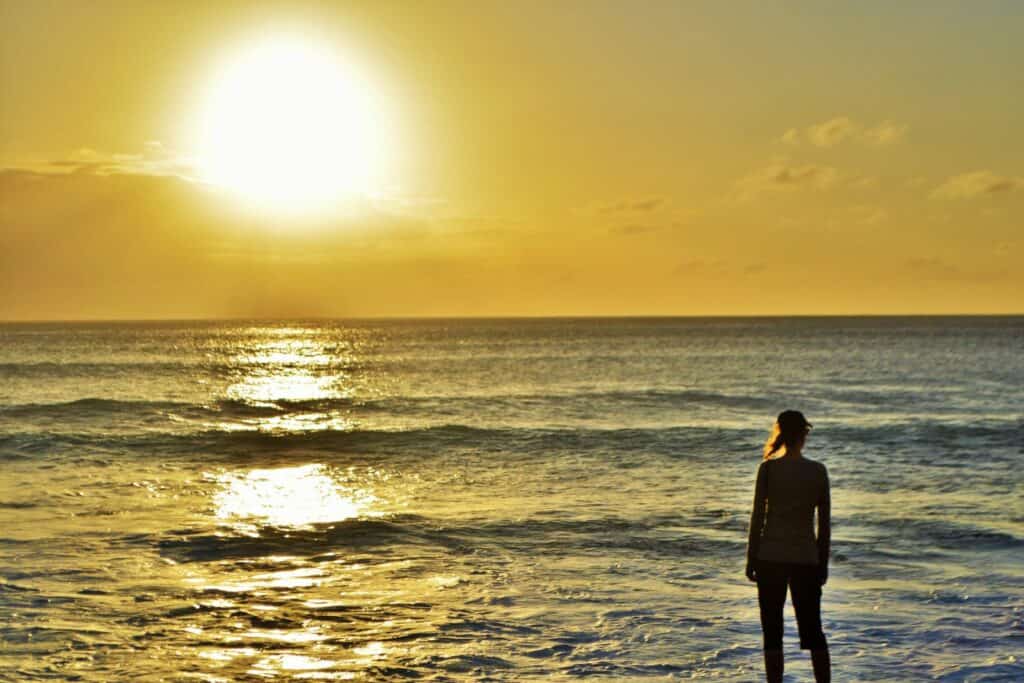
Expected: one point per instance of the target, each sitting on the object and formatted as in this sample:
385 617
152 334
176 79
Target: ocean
499 500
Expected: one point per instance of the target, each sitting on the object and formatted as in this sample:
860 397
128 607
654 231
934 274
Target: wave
904 441
415 442
946 435
645 536
126 369
86 408
315 540
946 534
91 407
663 397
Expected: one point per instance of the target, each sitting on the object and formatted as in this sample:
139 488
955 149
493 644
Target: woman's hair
790 427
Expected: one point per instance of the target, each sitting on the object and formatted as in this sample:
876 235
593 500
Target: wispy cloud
631 229
930 268
59 229
977 184
885 133
866 214
864 182
700 265
154 159
713 269
783 176
830 133
841 129
641 205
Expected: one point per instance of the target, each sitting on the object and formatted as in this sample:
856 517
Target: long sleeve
824 522
758 512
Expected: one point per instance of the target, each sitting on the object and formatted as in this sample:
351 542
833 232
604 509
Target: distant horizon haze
524 318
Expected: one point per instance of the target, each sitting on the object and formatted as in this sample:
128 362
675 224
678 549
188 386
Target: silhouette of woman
782 551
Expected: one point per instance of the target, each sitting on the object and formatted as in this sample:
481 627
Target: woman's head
788 433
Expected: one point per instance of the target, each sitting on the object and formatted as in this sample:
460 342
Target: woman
782 551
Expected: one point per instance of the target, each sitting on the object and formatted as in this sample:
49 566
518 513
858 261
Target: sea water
470 500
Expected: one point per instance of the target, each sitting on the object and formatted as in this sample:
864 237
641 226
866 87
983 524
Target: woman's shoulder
818 466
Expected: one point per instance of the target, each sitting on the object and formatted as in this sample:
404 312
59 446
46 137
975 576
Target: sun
286 125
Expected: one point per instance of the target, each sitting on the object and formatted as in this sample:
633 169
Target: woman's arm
824 527
757 519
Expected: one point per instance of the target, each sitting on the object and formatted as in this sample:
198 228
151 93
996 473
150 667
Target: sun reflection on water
272 521
296 373
278 384
288 496
373 650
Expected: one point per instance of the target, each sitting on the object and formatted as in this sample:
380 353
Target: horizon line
55 321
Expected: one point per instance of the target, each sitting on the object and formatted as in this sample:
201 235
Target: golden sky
537 158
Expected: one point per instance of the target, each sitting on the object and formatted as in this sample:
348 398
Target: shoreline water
554 500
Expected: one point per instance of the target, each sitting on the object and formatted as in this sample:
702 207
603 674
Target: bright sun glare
286 125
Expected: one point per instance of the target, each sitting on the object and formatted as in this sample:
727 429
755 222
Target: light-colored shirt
787 492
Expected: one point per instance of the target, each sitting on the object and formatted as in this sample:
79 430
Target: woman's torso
794 487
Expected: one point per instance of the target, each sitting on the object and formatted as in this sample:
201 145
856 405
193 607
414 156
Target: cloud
714 269
631 229
929 268
869 215
791 137
832 132
155 148
90 244
885 133
840 129
475 227
701 266
641 205
153 160
865 182
782 176
977 184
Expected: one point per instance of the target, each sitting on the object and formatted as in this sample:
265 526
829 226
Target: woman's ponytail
774 442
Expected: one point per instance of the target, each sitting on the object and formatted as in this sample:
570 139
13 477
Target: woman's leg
771 596
822 663
774 665
805 588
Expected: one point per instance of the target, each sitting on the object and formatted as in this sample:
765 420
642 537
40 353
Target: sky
579 158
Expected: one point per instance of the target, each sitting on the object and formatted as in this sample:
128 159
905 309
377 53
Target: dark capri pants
804 583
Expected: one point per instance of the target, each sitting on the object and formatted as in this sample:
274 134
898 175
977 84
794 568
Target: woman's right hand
751 572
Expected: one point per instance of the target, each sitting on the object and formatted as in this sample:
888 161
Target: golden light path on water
288 367
294 368
288 496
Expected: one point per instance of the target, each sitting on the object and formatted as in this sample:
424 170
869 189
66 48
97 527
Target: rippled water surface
499 500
